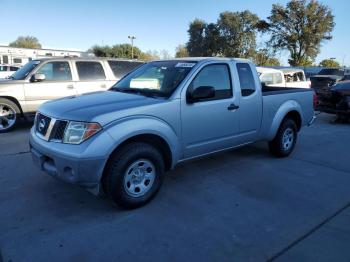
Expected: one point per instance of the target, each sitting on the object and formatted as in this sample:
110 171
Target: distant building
20 56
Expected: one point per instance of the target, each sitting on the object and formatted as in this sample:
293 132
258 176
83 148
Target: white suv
7 70
46 79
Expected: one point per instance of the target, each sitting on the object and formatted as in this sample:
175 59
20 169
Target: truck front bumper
66 165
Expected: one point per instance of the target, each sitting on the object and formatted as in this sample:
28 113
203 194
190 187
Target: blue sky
157 24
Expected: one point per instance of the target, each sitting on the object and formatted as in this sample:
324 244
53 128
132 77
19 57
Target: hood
94 106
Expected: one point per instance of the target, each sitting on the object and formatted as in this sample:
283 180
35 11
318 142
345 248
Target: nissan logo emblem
42 124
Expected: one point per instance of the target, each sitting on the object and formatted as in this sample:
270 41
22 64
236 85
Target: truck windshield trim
156 79
24 71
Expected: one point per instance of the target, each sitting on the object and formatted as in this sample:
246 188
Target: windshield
332 71
155 78
22 73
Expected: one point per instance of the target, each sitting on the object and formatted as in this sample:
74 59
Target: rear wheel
284 142
134 175
9 113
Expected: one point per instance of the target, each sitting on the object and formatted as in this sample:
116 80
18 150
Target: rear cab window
121 68
246 79
90 70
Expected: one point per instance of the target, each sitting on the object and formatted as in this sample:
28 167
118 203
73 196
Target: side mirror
200 93
37 78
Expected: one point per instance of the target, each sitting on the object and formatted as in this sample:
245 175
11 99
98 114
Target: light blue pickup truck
122 141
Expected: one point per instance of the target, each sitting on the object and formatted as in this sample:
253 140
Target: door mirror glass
38 77
200 93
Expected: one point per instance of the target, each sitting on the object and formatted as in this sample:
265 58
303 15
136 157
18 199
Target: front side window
14 68
90 71
3 68
56 71
121 68
246 79
159 78
216 76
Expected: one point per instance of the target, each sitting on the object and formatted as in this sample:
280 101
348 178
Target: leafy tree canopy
26 42
233 35
181 51
330 63
300 27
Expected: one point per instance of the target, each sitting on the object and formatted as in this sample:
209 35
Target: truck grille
57 132
49 128
42 124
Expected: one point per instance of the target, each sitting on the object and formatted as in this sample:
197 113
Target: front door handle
70 86
232 107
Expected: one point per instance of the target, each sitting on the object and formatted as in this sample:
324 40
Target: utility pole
132 38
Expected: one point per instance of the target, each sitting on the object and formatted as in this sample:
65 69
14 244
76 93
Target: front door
213 124
58 83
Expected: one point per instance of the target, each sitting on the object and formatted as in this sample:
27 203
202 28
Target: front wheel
134 175
9 113
284 142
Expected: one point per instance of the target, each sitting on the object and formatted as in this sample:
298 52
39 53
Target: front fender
129 127
284 109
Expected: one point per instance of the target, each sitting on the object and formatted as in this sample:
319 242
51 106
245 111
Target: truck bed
272 90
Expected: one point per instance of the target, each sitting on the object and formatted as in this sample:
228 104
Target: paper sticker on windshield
187 65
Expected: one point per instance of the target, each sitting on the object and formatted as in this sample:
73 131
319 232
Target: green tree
233 35
238 33
330 63
100 51
116 51
196 31
213 42
300 27
264 58
181 51
150 55
26 42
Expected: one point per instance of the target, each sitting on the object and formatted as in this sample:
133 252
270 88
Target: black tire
277 146
8 105
116 173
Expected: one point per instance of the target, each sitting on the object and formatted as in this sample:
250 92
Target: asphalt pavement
242 205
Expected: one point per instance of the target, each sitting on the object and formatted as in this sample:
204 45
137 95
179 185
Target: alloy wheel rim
7 116
139 178
288 139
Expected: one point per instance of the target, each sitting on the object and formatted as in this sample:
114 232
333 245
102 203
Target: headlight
78 132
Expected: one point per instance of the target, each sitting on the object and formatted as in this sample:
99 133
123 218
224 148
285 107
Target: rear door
250 116
91 77
210 125
58 83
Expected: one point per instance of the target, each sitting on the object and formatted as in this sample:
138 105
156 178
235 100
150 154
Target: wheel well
295 116
14 100
154 140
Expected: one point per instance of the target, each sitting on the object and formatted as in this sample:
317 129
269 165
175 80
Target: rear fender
285 108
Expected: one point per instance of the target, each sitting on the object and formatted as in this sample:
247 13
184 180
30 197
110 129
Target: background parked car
7 70
288 77
335 99
46 79
328 77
